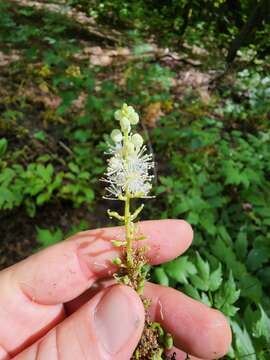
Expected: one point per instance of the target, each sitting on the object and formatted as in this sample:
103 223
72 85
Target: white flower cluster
129 165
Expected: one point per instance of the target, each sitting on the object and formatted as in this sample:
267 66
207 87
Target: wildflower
127 112
129 165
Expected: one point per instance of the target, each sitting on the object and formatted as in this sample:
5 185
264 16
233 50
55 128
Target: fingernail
116 319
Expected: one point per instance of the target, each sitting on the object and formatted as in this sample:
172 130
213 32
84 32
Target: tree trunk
260 13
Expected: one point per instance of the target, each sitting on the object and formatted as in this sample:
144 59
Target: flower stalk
127 218
128 177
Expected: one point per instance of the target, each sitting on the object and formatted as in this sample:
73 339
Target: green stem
127 218
127 215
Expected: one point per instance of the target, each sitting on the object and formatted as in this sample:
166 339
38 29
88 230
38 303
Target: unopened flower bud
118 115
117 261
137 140
168 341
125 124
133 117
116 135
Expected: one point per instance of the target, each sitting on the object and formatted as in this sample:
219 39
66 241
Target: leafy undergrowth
59 86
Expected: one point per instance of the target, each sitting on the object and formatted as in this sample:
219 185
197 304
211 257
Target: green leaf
212 189
160 276
205 300
42 198
82 135
225 254
3 146
227 296
250 287
241 245
215 278
40 135
45 172
193 218
74 168
202 267
232 174
262 326
192 292
223 233
256 258
207 220
243 343
199 283
180 269
46 237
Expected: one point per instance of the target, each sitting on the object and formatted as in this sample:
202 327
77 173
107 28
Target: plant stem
128 232
127 215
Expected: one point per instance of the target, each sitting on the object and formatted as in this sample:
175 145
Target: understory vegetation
203 92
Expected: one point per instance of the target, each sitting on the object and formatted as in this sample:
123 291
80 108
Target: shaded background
198 74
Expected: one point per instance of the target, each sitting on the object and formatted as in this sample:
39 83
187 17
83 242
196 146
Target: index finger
33 291
62 272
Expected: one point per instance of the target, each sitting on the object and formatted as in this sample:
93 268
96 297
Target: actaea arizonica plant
129 177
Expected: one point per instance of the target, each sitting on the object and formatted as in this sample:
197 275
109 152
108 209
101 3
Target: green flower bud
126 280
168 341
117 261
116 135
137 140
118 243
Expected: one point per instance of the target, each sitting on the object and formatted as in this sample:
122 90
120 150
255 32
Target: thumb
108 327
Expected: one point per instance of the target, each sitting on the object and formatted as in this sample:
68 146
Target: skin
59 303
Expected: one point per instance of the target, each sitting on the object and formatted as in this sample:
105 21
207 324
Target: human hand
57 303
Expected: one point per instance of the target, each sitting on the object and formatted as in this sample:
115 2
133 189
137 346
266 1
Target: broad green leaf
180 269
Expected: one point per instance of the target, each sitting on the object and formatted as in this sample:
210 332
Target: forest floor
29 102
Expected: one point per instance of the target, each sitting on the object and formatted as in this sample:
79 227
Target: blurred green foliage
213 160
